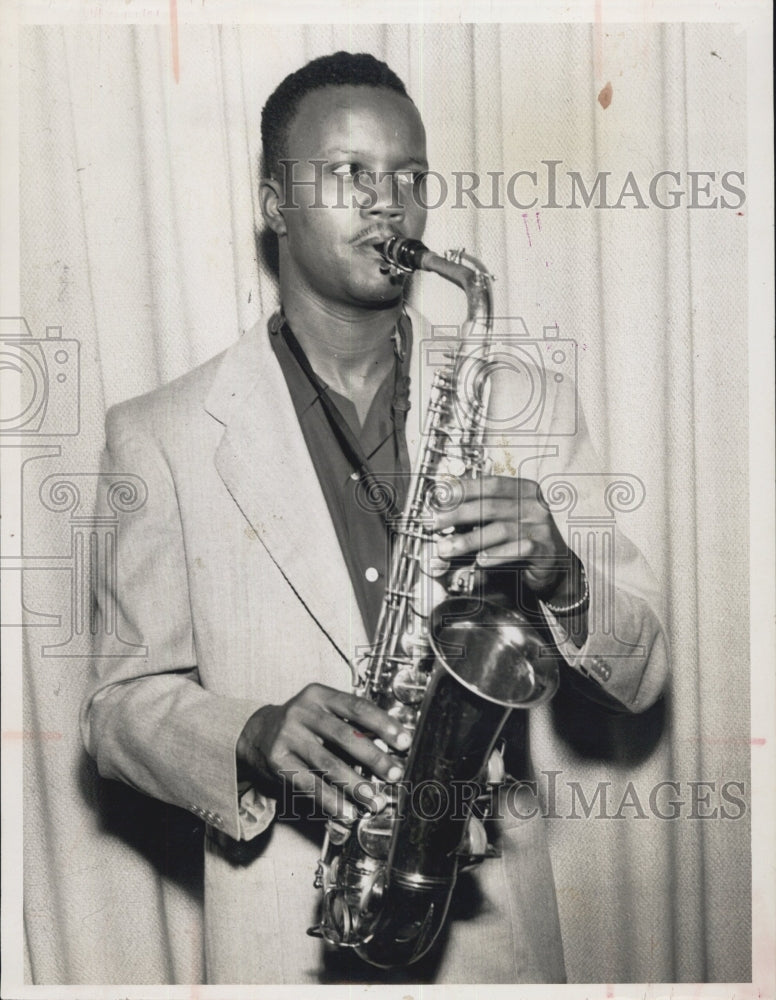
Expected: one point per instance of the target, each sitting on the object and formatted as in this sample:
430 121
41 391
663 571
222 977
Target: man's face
373 147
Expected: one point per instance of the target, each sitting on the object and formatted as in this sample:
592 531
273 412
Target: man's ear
271 200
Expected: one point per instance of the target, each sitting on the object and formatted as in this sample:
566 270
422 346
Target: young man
254 574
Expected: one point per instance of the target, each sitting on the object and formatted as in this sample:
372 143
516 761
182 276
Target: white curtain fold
139 216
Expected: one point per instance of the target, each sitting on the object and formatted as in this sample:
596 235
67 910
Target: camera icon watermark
40 381
522 376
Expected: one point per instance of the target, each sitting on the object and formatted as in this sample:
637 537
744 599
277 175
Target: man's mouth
371 241
373 236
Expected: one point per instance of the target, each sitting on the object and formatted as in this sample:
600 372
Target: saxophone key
455 466
372 797
374 834
409 687
475 841
405 714
496 771
338 830
416 647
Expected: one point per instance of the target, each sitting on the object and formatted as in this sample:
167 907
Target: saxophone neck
407 255
473 277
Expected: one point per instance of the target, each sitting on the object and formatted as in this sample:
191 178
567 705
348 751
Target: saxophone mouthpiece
403 255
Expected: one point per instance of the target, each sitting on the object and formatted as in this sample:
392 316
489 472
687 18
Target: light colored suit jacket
232 577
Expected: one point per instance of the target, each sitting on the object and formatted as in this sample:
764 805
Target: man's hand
286 743
508 522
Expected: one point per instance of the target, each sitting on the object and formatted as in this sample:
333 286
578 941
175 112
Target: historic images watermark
41 403
551 796
44 397
330 184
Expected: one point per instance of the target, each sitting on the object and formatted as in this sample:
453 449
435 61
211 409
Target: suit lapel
264 463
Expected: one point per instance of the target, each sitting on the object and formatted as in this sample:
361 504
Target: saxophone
452 677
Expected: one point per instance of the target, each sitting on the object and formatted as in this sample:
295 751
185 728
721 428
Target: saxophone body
450 671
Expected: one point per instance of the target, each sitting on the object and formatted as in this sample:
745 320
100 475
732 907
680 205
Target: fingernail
403 741
394 774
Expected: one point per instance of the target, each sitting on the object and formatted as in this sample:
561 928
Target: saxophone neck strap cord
340 428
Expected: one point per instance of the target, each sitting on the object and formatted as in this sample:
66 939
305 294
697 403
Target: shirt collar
302 390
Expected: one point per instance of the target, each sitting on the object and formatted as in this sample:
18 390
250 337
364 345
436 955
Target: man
254 574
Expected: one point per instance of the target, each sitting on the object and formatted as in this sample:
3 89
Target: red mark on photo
527 233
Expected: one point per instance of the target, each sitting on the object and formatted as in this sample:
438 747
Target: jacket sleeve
626 653
146 719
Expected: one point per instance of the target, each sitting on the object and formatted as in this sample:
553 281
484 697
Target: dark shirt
357 512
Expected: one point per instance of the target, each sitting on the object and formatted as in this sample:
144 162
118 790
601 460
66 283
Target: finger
332 783
508 503
486 509
538 567
307 782
367 717
467 491
496 486
358 746
346 779
478 539
509 552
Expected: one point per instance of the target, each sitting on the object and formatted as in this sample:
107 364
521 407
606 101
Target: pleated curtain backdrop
139 210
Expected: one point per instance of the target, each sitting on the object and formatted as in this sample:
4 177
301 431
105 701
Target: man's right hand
286 743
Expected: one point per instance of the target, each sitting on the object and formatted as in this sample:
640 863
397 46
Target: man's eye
409 177
351 171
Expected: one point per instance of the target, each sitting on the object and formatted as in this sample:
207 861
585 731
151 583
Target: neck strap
340 428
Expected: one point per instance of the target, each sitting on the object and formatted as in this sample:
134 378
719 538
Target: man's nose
386 203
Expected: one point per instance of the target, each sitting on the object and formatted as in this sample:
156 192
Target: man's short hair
357 69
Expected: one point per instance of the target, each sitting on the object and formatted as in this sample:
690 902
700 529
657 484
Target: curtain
140 238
